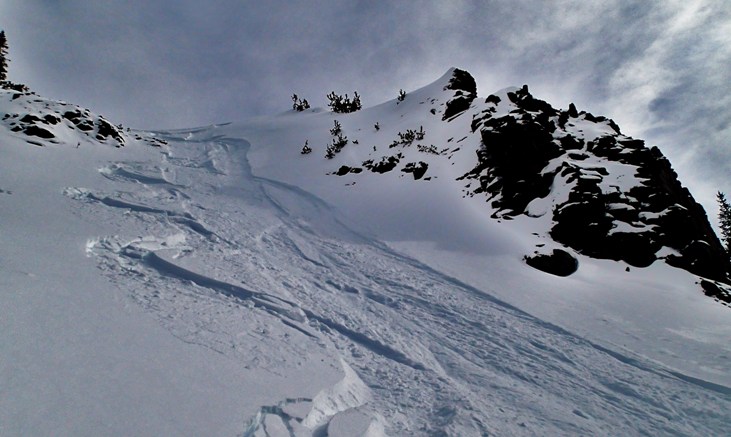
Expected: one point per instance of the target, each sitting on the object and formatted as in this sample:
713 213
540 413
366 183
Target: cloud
675 92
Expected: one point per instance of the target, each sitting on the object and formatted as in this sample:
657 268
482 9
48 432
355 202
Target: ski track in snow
269 272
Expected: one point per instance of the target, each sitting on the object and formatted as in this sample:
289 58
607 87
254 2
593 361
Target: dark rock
72 116
632 143
462 80
417 169
343 170
715 290
569 142
699 257
583 225
51 119
525 100
106 130
578 156
456 106
492 98
511 160
85 125
81 121
36 131
511 171
563 118
573 113
710 289
386 164
559 263
31 119
636 249
465 89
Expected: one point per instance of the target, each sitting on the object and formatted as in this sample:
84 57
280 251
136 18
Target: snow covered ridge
589 188
44 122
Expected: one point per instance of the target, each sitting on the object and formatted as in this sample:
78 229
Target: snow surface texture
225 284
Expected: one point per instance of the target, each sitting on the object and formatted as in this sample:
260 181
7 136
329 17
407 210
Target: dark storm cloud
659 68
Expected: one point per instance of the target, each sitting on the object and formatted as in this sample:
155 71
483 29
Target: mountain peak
608 195
572 175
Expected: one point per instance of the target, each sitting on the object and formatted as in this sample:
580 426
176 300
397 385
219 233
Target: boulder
559 262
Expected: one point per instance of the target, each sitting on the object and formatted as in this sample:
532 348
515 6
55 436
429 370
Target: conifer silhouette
3 57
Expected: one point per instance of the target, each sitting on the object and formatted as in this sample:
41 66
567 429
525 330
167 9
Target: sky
660 69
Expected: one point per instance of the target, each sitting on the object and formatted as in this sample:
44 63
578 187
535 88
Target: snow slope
224 284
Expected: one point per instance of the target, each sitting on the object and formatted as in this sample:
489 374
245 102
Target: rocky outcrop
558 262
589 187
43 122
465 91
610 196
384 165
417 169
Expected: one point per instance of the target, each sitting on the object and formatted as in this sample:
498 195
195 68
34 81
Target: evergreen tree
338 128
724 219
342 104
298 104
3 57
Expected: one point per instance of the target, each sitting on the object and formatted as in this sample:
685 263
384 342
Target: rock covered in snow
465 91
605 195
610 196
44 122
558 262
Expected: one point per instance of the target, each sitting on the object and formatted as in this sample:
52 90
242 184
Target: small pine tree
336 146
401 95
342 104
306 149
337 128
355 106
724 219
299 105
3 57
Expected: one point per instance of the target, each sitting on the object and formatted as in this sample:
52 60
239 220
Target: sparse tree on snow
342 104
299 105
3 57
337 128
724 219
